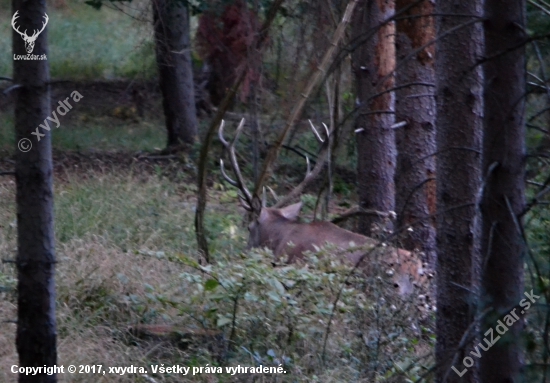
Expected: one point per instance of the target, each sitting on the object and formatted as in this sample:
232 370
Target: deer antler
246 196
29 40
310 174
316 133
36 33
16 29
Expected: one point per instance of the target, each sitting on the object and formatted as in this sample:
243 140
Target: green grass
126 254
86 44
7 132
144 136
85 133
153 218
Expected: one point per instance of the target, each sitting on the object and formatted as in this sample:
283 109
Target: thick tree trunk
415 106
503 200
458 137
373 64
173 51
36 325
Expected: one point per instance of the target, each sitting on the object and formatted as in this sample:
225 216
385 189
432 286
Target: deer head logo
29 40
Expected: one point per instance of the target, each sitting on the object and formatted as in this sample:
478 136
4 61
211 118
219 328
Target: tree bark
458 137
503 201
36 323
415 142
373 64
173 53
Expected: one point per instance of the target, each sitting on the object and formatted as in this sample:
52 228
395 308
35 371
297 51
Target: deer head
29 40
259 214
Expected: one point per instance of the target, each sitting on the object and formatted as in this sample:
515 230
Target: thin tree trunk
503 199
202 242
458 137
173 52
36 324
373 62
415 105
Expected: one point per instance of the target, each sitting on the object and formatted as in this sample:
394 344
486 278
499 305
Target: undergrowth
126 258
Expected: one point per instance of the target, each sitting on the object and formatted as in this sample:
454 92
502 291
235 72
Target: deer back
280 231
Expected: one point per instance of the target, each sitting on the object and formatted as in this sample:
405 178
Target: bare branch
310 176
358 211
399 125
10 88
540 7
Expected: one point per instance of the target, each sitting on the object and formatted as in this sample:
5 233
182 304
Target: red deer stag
280 230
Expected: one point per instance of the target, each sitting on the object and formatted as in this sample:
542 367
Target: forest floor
129 290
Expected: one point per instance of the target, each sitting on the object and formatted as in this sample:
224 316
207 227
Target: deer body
280 231
278 228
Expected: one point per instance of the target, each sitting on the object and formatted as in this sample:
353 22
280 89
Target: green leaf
222 321
210 284
277 285
274 297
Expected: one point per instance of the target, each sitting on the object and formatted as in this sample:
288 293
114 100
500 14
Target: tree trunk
173 52
415 105
503 199
36 324
373 64
458 137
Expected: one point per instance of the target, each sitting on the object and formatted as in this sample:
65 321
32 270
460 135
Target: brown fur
280 231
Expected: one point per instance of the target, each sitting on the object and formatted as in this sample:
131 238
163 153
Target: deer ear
291 212
264 214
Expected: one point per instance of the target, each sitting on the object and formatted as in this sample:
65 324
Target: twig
358 211
298 152
519 45
10 88
537 5
308 178
414 190
444 150
393 89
